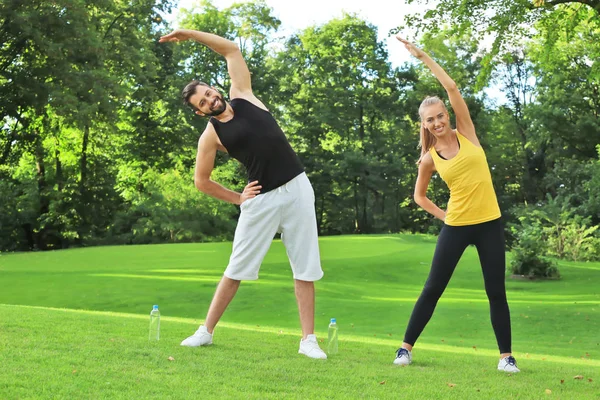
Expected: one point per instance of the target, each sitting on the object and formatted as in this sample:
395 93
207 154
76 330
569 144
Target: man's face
208 101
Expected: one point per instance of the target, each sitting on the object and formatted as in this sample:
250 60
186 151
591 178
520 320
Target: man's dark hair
189 90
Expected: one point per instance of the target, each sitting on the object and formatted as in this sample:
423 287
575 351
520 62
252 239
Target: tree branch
111 25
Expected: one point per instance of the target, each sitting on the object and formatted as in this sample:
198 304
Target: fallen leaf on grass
382 383
562 381
451 384
548 391
578 377
171 358
589 379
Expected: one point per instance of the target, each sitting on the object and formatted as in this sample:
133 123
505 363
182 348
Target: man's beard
220 109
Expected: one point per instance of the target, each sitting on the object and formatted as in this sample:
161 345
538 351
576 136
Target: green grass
74 324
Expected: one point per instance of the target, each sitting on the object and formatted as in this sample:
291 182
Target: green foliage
95 146
506 22
17 213
169 209
527 257
554 229
568 234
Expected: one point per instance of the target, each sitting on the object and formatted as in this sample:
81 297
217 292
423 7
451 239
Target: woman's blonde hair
427 138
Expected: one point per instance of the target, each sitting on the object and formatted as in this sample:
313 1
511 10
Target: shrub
527 258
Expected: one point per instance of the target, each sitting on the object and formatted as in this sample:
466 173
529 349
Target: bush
527 260
559 230
574 240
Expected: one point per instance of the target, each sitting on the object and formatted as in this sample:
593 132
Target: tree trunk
356 208
44 205
83 200
59 174
320 214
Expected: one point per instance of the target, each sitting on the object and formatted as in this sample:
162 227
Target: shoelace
510 360
401 352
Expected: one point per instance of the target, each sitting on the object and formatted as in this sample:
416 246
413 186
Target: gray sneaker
403 356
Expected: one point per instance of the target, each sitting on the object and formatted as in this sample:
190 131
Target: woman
472 215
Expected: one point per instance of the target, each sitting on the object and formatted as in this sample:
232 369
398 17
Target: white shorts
289 210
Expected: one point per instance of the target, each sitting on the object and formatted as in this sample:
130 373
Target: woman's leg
490 246
451 244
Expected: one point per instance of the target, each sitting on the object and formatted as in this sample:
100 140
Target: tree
67 65
506 22
340 105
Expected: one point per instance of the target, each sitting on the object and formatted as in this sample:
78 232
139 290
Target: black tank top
253 138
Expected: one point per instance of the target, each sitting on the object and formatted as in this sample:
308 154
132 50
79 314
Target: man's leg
256 227
299 236
225 292
305 296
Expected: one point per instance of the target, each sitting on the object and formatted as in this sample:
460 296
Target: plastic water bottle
332 339
154 324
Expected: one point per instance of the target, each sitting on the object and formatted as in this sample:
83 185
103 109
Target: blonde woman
472 215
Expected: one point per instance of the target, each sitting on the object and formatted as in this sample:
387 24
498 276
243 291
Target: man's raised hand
178 35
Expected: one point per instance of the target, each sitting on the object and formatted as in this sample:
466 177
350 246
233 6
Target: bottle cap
333 320
155 307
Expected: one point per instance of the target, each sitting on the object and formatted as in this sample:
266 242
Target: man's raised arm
236 65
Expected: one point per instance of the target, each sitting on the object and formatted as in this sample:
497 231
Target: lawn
74 324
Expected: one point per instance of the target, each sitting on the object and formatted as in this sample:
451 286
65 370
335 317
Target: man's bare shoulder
209 140
209 135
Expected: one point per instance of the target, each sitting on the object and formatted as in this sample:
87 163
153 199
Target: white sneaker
403 356
508 364
310 348
200 338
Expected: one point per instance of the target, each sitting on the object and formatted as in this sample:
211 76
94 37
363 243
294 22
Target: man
278 197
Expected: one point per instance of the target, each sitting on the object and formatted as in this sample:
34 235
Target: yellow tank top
472 197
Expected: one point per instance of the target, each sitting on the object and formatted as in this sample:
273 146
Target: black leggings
488 237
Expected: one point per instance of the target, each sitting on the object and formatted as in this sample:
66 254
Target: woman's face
435 118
